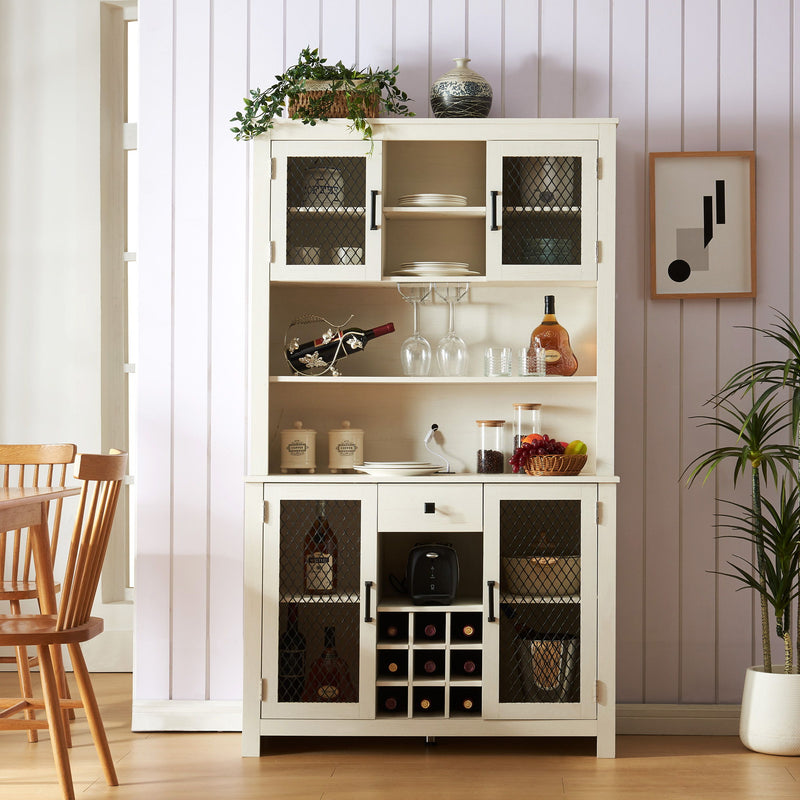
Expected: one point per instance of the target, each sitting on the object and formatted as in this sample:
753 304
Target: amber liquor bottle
329 676
559 358
321 555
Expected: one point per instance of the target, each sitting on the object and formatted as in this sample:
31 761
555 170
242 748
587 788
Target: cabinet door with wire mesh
325 211
540 546
541 220
319 573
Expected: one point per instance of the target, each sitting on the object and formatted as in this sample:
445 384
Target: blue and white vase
461 93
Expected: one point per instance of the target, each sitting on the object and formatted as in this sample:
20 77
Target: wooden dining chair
29 465
102 480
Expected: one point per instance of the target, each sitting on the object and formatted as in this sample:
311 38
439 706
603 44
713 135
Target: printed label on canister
346 448
297 448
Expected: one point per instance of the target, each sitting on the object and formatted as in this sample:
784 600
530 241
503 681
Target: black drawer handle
368 596
491 585
494 210
430 508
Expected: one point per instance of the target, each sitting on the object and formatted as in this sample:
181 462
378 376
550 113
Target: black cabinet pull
494 210
491 585
373 200
430 508
368 592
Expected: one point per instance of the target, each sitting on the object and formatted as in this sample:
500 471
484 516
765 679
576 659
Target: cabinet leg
429 740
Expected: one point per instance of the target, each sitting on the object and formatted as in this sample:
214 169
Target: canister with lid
345 447
527 420
490 446
298 448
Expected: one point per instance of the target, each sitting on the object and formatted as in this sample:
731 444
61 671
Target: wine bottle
291 659
559 358
329 676
321 555
321 352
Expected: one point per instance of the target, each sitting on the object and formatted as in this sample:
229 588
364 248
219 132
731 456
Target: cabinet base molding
677 719
186 715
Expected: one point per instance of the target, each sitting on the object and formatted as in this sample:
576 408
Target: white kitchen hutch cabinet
509 656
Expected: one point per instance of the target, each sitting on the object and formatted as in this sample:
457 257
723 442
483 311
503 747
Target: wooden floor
202 766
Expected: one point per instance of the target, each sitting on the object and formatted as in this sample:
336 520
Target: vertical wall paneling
412 40
190 434
698 382
734 345
629 104
339 30
556 60
301 27
227 341
376 34
662 389
153 619
520 96
448 34
485 46
592 58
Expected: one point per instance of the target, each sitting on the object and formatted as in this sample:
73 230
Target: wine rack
438 668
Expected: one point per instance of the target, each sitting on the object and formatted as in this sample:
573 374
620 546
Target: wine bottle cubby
337 641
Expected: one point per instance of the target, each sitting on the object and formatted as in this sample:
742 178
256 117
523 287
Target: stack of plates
432 200
430 268
405 468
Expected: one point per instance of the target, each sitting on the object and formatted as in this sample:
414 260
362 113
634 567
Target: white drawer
415 507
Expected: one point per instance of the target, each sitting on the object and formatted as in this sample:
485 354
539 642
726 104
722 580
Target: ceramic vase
461 93
770 717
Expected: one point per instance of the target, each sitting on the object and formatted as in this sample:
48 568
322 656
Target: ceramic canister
298 448
461 92
345 447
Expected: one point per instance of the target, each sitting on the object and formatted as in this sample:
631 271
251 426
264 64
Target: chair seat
20 590
39 629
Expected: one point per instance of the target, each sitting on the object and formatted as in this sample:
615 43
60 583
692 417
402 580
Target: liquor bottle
332 346
559 358
291 659
329 676
321 555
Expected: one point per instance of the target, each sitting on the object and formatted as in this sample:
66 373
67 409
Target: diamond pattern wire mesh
542 210
325 218
339 608
540 608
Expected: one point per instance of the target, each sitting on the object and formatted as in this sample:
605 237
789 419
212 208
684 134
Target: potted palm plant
759 407
314 91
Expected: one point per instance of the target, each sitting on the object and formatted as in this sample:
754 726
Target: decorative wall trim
677 719
186 715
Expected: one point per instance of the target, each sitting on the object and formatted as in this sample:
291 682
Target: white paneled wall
699 75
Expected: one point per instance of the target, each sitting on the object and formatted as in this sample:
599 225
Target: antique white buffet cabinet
502 213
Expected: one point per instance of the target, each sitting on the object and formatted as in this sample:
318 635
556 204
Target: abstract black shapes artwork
702 224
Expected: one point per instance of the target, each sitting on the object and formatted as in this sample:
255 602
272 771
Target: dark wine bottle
321 555
291 659
329 676
321 352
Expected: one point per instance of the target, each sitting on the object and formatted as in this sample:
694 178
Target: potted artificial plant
313 90
760 407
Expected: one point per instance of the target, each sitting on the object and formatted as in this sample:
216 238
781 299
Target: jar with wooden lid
491 458
527 420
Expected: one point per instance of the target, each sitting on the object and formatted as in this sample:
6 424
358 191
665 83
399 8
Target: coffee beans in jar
490 456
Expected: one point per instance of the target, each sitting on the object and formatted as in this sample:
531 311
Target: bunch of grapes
539 447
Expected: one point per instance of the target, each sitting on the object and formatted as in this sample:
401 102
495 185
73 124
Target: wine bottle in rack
392 700
291 659
321 352
428 700
465 663
466 627
393 663
465 700
429 663
393 626
329 676
321 555
429 627
559 358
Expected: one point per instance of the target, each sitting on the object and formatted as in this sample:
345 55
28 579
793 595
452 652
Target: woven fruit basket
555 465
338 108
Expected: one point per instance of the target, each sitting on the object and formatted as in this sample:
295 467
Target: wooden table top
16 496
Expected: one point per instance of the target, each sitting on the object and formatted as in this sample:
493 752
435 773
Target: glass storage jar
527 420
490 446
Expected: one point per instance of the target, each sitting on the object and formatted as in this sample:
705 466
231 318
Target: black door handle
494 210
368 592
491 585
373 200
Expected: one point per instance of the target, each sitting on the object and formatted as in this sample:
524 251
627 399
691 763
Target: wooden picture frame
702 224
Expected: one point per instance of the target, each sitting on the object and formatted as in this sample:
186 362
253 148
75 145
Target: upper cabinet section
514 201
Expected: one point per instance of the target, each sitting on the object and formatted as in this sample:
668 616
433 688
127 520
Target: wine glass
415 352
451 352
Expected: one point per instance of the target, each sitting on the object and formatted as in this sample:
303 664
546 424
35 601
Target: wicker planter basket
338 109
555 465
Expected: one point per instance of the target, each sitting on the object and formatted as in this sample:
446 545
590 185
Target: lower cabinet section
509 632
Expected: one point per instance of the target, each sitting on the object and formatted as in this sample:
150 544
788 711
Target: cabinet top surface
432 480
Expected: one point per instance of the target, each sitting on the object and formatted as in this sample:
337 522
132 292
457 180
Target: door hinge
597 690
272 252
599 168
266 511
599 513
599 251
273 168
263 690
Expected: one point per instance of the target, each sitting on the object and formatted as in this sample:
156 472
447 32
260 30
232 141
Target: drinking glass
451 352
415 352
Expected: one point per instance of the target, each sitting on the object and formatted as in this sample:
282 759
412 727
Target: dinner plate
387 472
432 200
428 272
398 464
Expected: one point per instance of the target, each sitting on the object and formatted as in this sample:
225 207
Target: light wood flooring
202 766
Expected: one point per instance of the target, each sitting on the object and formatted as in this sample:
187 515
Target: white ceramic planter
770 716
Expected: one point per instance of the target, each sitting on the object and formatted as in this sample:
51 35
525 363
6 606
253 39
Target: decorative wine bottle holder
315 364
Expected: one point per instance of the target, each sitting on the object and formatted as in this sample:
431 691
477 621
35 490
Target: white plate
437 264
387 472
398 464
424 272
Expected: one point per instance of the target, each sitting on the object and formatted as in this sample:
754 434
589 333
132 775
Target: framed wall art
702 225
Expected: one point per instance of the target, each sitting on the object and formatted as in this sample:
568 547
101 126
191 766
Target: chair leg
92 713
63 689
55 722
26 687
